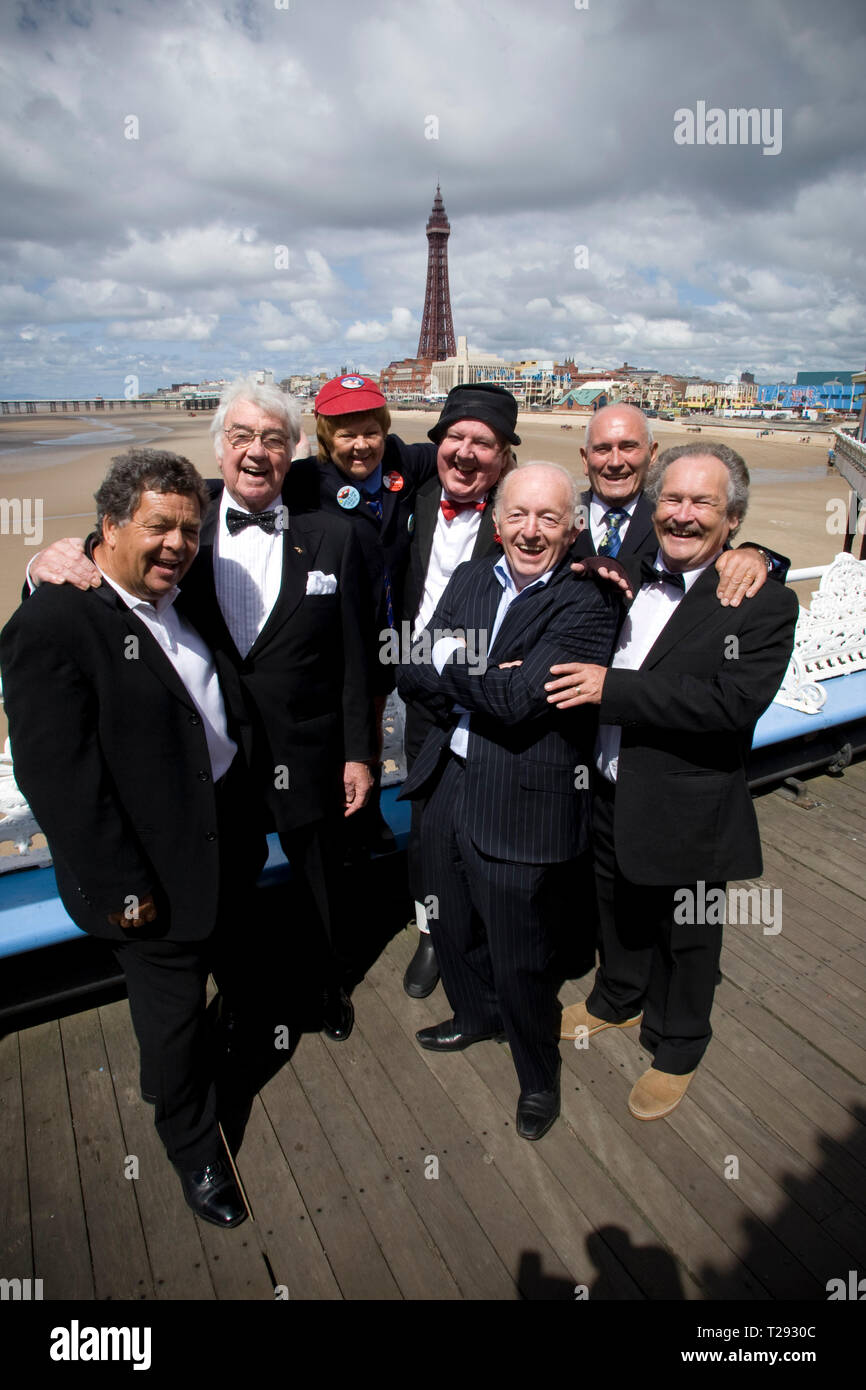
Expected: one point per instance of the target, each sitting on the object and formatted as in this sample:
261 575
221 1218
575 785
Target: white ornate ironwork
18 823
831 636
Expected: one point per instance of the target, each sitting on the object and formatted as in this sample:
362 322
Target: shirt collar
502 570
133 601
605 507
373 484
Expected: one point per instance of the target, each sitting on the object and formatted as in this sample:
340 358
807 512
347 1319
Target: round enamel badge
410 524
348 497
352 383
393 482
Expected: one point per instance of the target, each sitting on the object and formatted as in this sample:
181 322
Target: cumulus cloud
198 196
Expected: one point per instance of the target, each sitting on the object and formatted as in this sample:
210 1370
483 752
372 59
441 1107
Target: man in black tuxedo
122 748
505 777
672 815
453 523
618 517
278 591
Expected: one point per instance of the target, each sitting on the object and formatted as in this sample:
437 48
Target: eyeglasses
241 438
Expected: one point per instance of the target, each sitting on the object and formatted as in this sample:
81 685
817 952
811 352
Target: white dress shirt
446 645
598 511
453 542
193 661
248 572
653 607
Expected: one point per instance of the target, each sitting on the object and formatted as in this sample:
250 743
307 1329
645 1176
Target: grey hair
738 473
617 405
573 486
145 470
268 398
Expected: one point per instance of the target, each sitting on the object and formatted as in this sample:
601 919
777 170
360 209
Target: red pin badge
393 482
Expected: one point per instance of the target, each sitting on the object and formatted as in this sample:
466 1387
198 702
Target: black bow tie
236 521
650 575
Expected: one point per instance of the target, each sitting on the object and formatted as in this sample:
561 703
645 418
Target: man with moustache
453 523
618 517
672 815
123 750
278 593
506 815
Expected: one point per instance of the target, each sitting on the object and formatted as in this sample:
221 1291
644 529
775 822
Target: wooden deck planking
121 1269
15 1225
61 1253
461 1174
333 1155
171 1233
353 1253
287 1234
551 1206
412 1257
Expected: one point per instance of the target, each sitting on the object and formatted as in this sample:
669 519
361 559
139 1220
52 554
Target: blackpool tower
437 330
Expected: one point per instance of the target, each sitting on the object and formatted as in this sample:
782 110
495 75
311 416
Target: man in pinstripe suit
507 809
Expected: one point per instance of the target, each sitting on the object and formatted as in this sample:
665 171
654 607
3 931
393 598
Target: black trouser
649 960
315 853
418 725
166 982
492 936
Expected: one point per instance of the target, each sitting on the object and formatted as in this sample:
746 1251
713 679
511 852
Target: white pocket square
319 583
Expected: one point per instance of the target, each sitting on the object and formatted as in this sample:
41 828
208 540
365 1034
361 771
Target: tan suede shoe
657 1093
576 1016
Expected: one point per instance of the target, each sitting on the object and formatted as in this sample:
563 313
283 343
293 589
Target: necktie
650 575
611 540
236 521
375 505
451 509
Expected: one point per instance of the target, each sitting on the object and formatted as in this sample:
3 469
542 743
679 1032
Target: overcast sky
306 127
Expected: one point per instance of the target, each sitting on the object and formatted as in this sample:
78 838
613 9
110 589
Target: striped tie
611 541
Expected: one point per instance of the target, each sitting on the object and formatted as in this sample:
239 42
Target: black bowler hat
482 401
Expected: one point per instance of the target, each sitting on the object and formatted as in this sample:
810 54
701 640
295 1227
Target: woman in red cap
372 477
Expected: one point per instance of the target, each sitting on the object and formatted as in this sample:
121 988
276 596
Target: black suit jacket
522 765
111 754
426 516
639 539
385 542
683 810
303 691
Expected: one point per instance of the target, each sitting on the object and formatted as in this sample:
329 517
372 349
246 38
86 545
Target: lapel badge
393 482
410 524
348 498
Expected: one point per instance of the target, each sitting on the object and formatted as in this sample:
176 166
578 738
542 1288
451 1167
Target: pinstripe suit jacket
524 801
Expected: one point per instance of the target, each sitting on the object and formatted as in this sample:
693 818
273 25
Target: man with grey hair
672 815
508 807
278 592
123 749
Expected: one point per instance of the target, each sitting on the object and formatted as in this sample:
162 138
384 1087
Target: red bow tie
451 509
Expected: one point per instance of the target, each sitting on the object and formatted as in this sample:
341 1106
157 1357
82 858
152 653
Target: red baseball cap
347 395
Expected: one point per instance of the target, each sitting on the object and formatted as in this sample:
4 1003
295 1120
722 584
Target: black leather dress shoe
537 1111
214 1195
446 1038
338 1015
422 972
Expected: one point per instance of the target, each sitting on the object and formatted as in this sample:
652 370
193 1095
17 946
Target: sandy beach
58 462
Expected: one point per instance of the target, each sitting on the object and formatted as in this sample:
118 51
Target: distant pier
77 404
